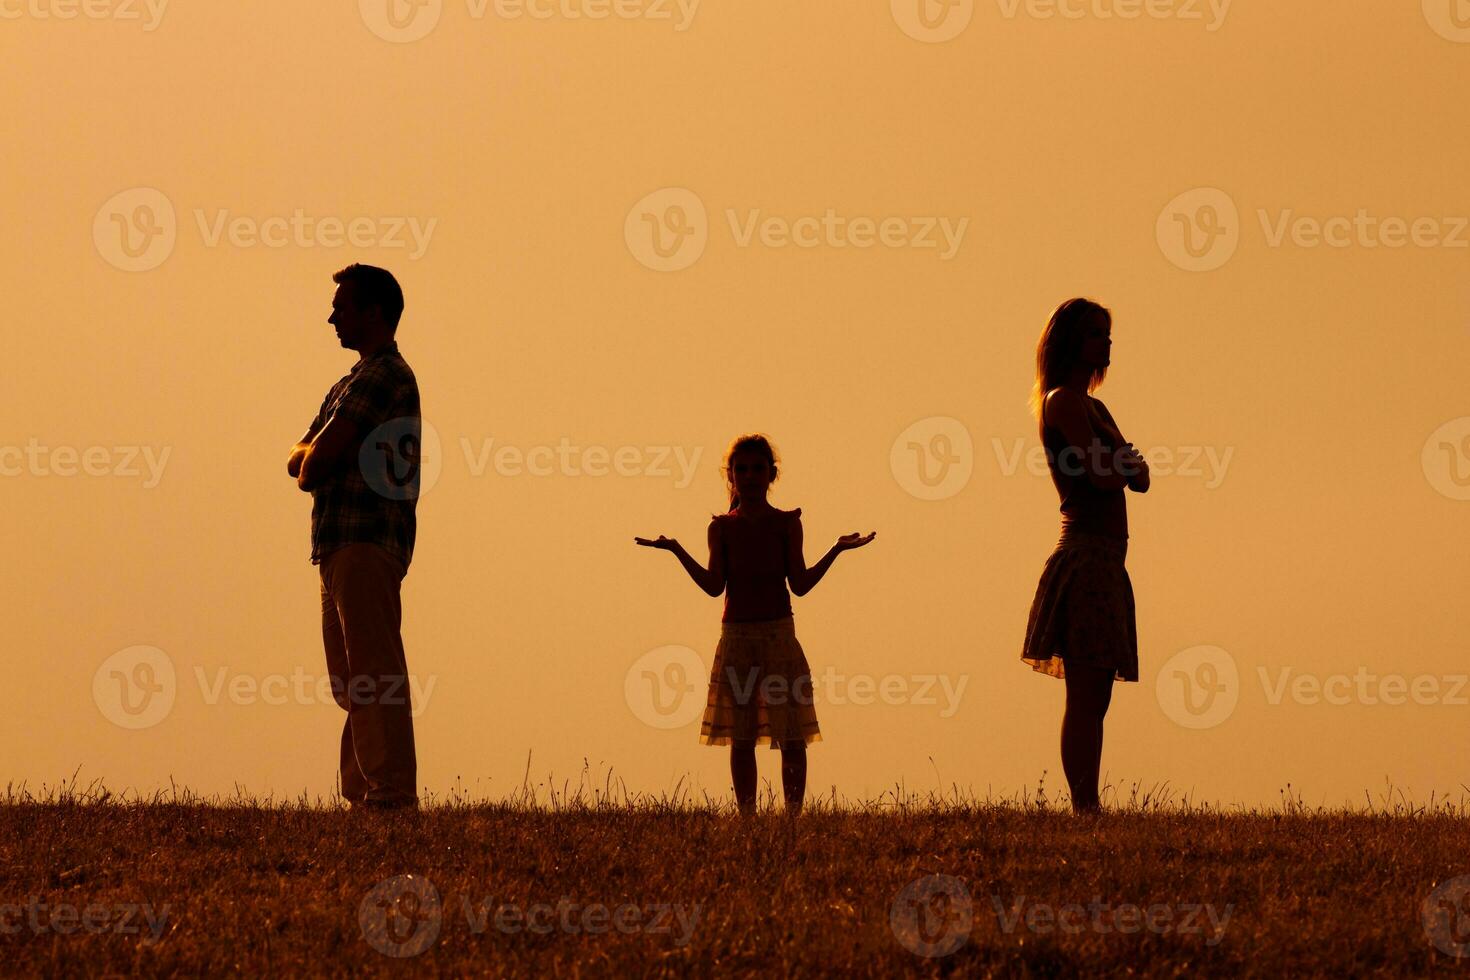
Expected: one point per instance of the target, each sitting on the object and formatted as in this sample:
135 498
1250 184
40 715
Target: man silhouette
359 460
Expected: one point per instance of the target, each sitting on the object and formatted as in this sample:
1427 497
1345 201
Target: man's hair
374 287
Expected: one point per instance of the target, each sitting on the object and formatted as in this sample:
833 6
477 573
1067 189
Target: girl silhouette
1081 627
760 687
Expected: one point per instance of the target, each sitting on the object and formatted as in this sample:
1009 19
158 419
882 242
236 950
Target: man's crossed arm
322 452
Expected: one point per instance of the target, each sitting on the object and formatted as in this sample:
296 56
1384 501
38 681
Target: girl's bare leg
742 772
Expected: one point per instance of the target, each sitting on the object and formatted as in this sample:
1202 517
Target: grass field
586 882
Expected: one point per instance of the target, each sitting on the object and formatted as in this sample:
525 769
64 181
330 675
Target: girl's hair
1060 346
752 443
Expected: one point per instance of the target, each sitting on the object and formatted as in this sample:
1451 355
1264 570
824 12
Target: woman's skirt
760 687
1083 610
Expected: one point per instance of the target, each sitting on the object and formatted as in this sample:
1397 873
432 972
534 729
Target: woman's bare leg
793 774
1089 692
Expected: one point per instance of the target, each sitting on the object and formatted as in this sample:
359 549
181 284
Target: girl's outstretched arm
804 579
711 579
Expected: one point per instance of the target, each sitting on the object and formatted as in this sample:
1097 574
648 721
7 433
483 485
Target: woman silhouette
1081 627
760 687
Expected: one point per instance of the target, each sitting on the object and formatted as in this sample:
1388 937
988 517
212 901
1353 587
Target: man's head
367 306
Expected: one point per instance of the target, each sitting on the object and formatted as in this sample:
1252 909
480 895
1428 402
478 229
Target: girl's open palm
855 540
667 544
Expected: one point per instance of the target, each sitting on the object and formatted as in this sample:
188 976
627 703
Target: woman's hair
1060 346
751 443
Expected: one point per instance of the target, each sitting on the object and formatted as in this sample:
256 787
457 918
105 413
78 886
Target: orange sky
864 218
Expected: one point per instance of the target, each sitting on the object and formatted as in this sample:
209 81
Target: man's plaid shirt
371 498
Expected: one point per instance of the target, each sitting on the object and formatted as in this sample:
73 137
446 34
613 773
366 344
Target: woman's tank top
755 565
1084 506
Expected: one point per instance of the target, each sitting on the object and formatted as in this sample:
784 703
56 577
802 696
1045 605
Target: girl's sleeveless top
755 566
